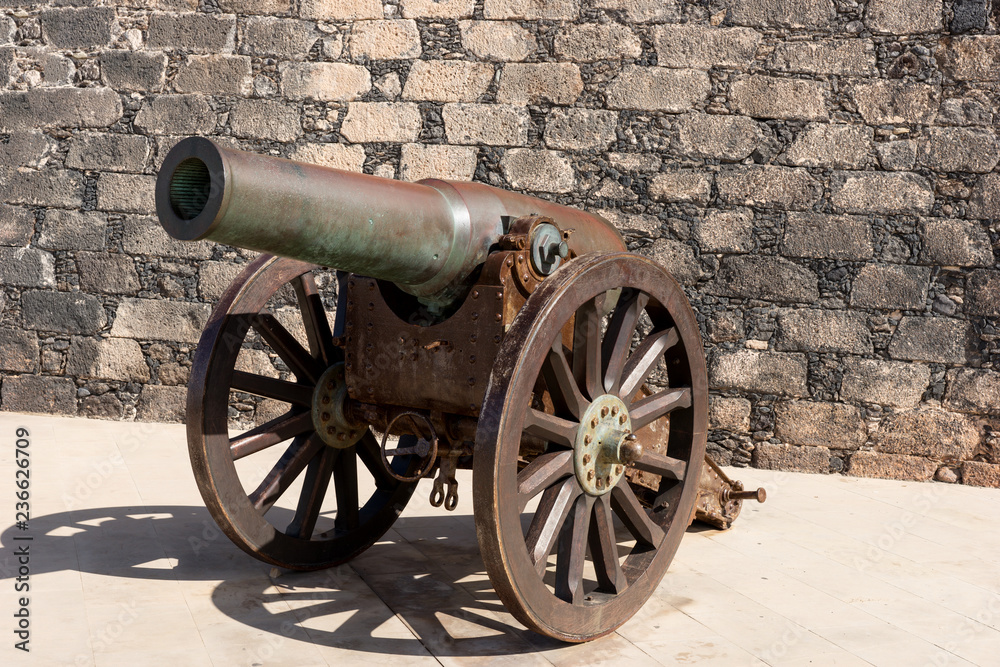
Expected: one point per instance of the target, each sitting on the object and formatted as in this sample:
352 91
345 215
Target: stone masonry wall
819 174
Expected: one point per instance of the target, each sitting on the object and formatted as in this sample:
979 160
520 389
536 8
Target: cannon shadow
422 588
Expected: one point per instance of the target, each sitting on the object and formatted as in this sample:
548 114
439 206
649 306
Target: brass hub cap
598 453
328 410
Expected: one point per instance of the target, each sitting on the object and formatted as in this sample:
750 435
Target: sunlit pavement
127 568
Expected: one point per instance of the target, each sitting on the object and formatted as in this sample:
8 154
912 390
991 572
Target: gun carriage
483 329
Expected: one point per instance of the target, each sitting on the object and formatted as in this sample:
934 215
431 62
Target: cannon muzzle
426 237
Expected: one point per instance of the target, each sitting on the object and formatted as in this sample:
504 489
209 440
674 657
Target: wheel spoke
281 390
292 462
644 360
314 487
562 384
314 319
587 349
554 429
573 551
664 466
649 409
306 368
634 516
549 517
368 451
542 473
345 482
618 339
604 548
270 433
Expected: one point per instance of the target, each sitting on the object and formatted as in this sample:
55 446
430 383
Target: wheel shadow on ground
422 588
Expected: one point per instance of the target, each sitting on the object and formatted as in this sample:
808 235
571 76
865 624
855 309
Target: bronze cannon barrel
426 237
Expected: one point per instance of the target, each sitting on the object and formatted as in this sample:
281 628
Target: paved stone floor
128 569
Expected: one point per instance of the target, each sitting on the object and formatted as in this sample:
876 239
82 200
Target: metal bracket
446 476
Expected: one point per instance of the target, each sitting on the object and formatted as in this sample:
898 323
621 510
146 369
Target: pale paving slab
129 569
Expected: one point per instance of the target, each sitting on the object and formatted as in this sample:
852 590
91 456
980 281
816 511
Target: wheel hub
328 410
605 431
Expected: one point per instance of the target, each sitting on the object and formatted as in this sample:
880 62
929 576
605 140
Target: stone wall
819 174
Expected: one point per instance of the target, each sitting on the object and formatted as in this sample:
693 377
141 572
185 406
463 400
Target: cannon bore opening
190 185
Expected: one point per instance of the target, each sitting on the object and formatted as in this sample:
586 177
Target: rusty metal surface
720 499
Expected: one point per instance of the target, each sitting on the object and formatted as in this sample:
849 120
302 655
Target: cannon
471 328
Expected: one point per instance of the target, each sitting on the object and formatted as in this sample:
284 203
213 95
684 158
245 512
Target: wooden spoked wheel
576 520
269 488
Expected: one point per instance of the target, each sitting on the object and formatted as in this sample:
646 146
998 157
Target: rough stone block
959 149
643 11
890 287
215 75
176 115
982 293
588 42
658 89
64 312
537 171
59 107
534 83
24 149
891 102
385 40
42 188
267 119
443 9
725 231
215 277
897 155
490 124
972 110
271 36
818 235
985 199
338 156
161 404
111 273
504 41
330 82
820 424
881 193
891 466
27 267
84 28
192 31
246 7
107 359
580 129
105 406
677 258
727 138
133 70
729 414
683 185
936 434
703 47
72 230
934 339
903 18
764 277
844 57
768 186
976 473
108 152
971 58
787 99
17 225
18 351
447 80
759 372
397 122
768 456
779 13
973 390
145 236
150 319
955 243
969 15
836 146
725 327
814 330
531 9
419 161
892 383
35 393
128 193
